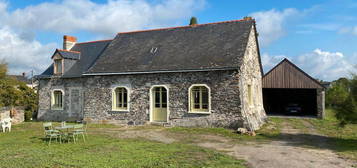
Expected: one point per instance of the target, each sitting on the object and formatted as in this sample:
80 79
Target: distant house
29 82
206 75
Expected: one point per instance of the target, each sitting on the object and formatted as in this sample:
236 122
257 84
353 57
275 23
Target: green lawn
23 147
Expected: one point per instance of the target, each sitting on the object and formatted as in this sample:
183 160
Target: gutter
153 72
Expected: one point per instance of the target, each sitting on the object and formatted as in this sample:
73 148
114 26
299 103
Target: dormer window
58 70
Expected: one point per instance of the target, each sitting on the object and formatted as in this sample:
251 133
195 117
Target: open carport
287 90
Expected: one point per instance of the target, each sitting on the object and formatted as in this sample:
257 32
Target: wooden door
159 104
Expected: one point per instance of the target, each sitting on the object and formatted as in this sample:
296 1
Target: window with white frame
120 99
57 100
199 99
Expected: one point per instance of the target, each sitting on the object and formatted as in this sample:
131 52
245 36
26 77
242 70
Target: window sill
57 109
127 110
199 112
118 111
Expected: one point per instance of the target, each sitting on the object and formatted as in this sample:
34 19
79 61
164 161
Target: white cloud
109 18
348 30
271 24
318 63
20 49
22 55
270 61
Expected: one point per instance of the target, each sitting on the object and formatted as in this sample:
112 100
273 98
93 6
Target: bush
28 115
193 21
347 112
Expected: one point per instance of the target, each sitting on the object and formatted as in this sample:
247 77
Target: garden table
65 130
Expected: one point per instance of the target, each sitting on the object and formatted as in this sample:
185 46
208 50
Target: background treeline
342 96
16 93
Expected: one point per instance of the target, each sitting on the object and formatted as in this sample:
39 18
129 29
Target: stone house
206 75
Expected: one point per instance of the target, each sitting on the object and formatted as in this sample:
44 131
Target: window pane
58 64
125 98
57 99
164 97
204 97
196 97
157 97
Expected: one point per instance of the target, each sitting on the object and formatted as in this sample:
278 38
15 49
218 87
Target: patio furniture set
65 132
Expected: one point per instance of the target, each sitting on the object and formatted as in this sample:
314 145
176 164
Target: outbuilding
288 90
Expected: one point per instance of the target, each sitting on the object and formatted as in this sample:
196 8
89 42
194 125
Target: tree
347 112
193 21
3 69
338 92
16 93
343 95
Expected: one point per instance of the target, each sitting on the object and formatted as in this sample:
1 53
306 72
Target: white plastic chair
6 123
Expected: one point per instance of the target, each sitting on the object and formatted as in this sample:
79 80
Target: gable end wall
253 114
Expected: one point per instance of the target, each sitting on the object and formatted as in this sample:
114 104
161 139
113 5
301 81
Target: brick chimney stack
68 42
248 18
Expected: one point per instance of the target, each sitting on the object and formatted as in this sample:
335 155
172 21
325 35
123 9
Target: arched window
120 99
57 100
199 99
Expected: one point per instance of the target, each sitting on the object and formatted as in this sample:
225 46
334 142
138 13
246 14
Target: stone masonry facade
90 97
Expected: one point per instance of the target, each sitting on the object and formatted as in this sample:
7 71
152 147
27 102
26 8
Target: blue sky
320 36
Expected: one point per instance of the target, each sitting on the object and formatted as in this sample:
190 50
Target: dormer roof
67 54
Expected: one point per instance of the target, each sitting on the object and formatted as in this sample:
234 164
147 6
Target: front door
159 104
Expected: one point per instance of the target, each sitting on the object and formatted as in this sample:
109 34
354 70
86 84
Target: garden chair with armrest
51 133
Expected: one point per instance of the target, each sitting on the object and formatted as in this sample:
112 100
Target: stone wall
97 101
320 99
17 114
250 74
71 111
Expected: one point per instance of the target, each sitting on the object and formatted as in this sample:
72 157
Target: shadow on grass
316 141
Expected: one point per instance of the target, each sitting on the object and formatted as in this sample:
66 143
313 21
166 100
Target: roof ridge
69 51
94 41
188 26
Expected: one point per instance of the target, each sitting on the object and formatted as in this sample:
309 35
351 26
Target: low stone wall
17 114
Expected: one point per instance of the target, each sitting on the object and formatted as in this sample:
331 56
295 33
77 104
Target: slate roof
21 78
68 54
89 52
201 47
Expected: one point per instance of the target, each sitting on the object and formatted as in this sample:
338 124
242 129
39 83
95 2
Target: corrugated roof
200 47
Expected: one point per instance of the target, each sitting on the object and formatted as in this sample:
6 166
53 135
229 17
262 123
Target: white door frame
152 99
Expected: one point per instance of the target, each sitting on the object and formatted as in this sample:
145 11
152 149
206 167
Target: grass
23 147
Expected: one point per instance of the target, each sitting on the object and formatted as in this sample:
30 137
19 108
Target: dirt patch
284 153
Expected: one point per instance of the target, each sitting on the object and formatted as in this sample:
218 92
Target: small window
120 99
58 66
250 96
199 99
57 100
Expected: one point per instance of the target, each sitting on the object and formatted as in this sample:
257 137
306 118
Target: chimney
68 42
248 18
23 74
